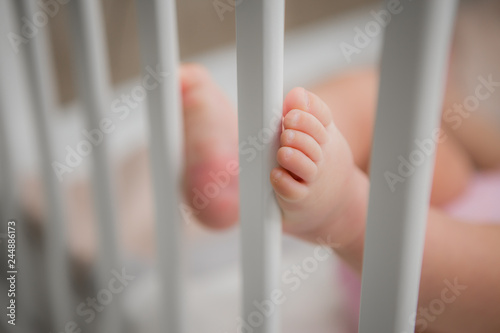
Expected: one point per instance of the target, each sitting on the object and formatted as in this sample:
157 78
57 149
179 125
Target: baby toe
297 163
300 98
287 187
303 142
305 122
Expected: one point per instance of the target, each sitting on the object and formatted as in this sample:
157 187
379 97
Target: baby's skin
321 186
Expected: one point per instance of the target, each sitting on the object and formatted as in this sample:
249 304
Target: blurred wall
203 24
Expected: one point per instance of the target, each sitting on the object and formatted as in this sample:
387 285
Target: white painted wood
27 297
7 199
6 175
410 99
40 84
93 83
159 54
259 42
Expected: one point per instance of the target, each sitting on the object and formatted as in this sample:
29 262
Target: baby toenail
288 152
290 135
277 175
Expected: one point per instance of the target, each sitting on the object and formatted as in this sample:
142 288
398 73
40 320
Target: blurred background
315 30
203 26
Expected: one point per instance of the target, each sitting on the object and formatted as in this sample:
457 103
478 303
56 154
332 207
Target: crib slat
411 92
159 54
27 297
259 40
4 195
6 174
92 73
40 92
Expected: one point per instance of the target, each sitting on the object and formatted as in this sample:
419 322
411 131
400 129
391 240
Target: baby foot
315 165
211 149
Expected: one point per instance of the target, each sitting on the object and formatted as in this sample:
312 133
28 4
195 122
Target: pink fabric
480 203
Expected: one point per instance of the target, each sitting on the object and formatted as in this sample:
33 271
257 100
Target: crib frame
415 53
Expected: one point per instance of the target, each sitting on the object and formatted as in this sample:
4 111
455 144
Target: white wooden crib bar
412 85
